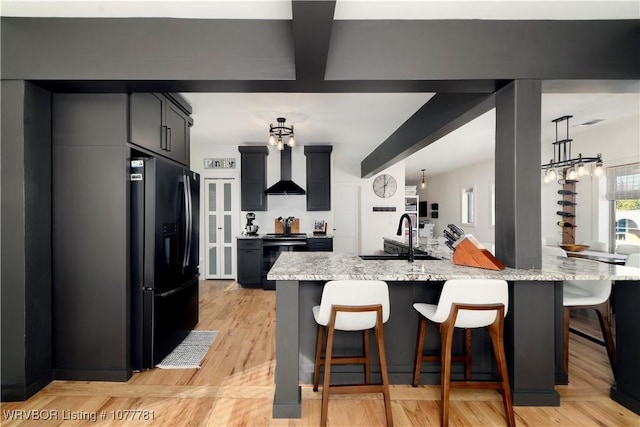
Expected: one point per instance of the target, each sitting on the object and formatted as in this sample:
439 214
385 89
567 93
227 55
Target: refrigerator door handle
190 221
187 215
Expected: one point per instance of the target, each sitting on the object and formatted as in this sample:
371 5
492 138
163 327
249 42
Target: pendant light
423 184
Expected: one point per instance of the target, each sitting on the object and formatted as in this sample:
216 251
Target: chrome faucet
399 233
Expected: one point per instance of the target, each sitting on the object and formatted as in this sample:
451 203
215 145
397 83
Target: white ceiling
345 9
362 121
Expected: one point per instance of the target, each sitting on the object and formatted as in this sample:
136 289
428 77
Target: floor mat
190 352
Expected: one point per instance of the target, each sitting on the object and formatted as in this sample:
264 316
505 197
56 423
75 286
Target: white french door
221 226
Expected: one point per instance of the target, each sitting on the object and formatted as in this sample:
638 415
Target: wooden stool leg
496 331
604 316
316 371
379 332
446 339
367 358
327 375
422 329
467 354
565 339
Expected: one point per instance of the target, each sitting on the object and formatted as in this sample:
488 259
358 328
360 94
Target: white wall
619 143
445 189
345 171
375 226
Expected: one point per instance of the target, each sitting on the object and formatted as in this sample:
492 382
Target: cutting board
279 228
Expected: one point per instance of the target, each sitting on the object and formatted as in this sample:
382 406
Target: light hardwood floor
234 386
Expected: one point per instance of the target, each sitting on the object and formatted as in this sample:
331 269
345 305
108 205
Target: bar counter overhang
533 327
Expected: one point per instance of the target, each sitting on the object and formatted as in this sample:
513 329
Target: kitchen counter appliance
251 229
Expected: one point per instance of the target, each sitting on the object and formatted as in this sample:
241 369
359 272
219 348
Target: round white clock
385 185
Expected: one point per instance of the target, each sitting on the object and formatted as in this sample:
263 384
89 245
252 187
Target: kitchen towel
190 352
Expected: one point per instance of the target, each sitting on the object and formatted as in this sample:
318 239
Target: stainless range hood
285 186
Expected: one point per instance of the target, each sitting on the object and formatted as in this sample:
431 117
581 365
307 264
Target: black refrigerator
165 203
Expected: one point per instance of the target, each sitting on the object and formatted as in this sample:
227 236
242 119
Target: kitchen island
533 338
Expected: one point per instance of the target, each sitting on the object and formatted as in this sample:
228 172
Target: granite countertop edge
322 266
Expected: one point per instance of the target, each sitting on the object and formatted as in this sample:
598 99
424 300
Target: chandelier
277 132
563 166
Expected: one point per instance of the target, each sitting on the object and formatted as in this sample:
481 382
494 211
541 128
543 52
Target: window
623 190
468 205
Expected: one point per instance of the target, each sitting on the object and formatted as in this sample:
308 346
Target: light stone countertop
261 235
324 266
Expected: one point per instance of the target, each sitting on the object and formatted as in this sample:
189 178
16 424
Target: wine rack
567 212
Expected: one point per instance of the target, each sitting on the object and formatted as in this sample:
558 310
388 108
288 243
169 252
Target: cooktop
280 235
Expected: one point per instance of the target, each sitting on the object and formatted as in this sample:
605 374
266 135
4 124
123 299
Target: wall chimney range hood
285 186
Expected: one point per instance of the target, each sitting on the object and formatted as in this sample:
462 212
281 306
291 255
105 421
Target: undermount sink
396 256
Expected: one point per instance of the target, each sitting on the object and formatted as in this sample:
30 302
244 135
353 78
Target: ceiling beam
258 86
442 114
312 24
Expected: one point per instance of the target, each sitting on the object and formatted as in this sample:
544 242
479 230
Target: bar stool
593 294
633 260
352 305
467 303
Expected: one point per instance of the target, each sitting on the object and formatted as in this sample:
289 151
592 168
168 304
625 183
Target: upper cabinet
318 177
160 125
253 178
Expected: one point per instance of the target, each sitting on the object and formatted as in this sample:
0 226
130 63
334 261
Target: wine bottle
566 203
567 192
565 224
566 214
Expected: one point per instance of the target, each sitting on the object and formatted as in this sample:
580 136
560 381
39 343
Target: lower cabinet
250 262
321 244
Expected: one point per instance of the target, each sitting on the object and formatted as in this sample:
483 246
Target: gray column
530 325
26 239
287 399
517 174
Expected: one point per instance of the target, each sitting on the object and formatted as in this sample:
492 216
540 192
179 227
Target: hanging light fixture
280 130
422 184
563 165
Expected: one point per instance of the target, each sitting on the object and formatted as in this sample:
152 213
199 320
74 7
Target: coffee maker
251 229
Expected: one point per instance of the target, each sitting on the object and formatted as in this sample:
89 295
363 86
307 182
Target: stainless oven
272 246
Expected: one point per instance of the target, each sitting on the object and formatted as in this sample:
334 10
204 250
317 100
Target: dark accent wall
26 239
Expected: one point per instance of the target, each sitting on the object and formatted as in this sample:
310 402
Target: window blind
623 182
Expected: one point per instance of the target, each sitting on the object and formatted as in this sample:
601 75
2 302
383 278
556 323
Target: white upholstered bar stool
627 248
467 303
633 260
585 294
352 305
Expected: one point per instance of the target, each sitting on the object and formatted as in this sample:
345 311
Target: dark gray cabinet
253 178
250 262
157 124
320 244
91 232
90 238
318 177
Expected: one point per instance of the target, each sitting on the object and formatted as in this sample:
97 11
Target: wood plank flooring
234 386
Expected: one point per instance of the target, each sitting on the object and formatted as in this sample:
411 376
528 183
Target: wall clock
385 185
